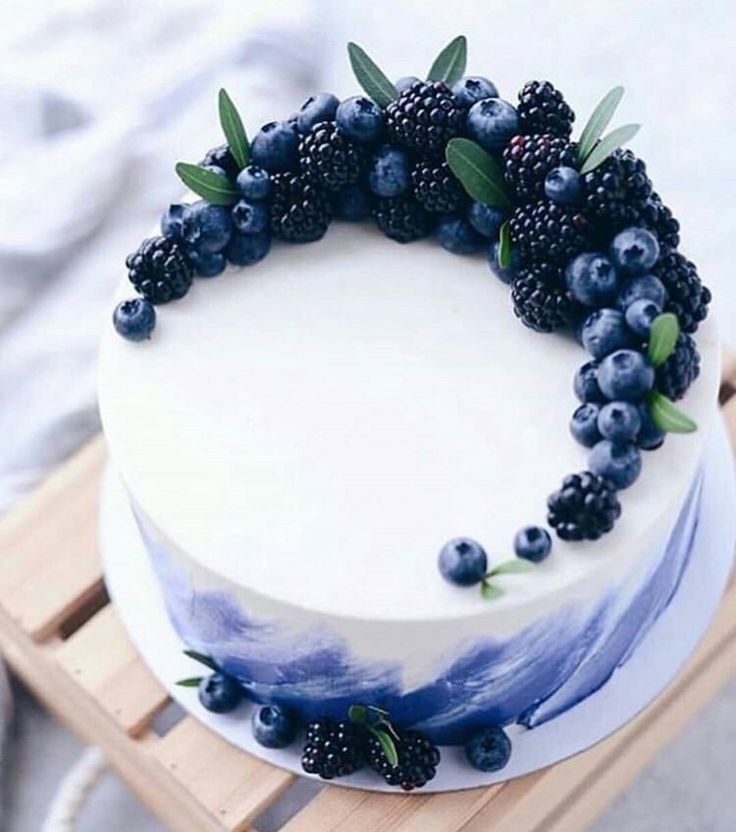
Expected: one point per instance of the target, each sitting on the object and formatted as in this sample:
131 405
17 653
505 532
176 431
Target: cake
302 440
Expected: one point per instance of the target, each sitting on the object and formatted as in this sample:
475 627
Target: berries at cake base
219 693
489 749
333 749
274 726
418 759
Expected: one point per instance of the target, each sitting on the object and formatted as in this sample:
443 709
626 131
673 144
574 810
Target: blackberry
542 109
540 301
585 508
222 158
528 160
436 188
658 218
547 232
330 159
159 270
680 370
300 211
616 192
686 296
424 118
418 760
402 219
333 749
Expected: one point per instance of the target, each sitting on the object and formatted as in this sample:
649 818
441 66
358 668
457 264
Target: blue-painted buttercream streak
529 678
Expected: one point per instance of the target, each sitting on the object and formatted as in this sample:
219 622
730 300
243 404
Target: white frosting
313 429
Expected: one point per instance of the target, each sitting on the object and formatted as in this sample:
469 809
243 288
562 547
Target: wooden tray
60 634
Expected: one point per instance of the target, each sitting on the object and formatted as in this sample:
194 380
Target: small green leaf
478 172
374 82
598 121
232 127
211 186
358 714
515 566
490 591
194 682
449 65
202 659
388 746
667 416
662 338
606 146
504 246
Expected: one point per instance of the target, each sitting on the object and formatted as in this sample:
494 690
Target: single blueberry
591 279
390 172
274 146
625 375
249 217
486 219
274 726
605 331
360 119
473 88
618 462
619 421
353 204
532 543
404 83
134 319
489 749
585 383
207 265
644 287
640 315
248 249
563 185
463 562
584 424
254 182
457 235
634 250
492 122
171 221
220 693
205 227
650 437
505 274
320 107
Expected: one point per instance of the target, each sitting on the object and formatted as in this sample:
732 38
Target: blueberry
207 265
486 219
492 122
604 331
389 173
249 217
403 84
618 462
457 235
640 316
353 204
205 227
274 726
248 249
584 424
650 436
473 88
563 185
360 119
320 107
585 383
619 421
134 319
463 562
625 375
171 221
220 693
634 250
274 146
532 543
644 287
591 279
254 182
489 749
504 274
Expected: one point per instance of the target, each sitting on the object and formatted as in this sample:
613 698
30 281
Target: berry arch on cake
377 505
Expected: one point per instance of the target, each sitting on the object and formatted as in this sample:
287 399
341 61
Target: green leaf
479 173
358 714
449 65
606 146
211 186
515 566
598 121
667 416
374 82
388 746
490 591
232 127
202 659
504 246
662 338
194 682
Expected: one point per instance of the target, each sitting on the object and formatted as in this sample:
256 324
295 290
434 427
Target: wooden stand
60 634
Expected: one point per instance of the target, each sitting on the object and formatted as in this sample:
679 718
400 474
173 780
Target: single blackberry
222 158
418 760
424 118
159 270
529 158
300 211
542 109
402 219
658 218
686 296
680 370
330 159
333 749
585 508
616 192
540 301
436 188
547 232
